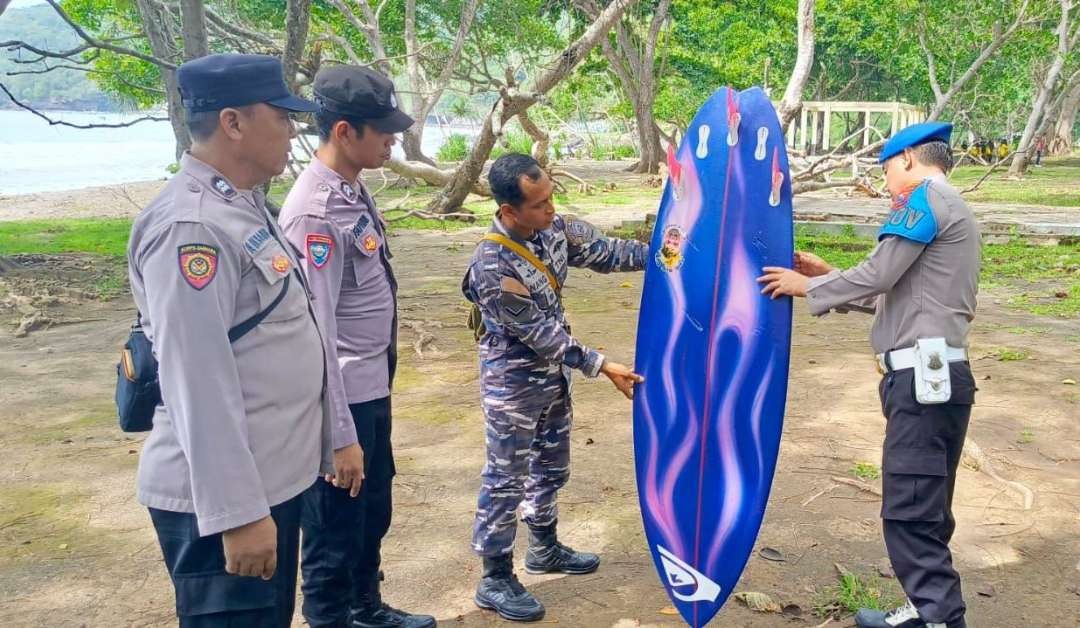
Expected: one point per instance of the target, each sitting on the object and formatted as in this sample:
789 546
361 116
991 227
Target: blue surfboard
714 351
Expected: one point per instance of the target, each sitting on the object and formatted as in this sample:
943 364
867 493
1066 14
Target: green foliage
866 471
854 591
513 142
40 26
456 148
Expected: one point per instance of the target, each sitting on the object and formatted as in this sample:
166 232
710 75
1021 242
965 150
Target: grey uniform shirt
242 427
922 278
333 221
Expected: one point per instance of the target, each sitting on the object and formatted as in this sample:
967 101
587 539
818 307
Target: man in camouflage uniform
526 355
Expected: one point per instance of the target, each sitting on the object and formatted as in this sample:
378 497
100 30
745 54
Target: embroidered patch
223 186
198 264
348 192
319 247
257 241
280 263
361 224
370 242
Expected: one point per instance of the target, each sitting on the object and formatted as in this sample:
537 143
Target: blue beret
914 135
214 82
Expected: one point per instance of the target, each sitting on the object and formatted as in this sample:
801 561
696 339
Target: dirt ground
77 550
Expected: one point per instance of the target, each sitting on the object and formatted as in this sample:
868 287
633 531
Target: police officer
920 282
240 435
526 353
330 216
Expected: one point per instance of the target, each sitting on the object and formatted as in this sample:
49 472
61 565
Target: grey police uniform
920 282
526 355
242 431
337 225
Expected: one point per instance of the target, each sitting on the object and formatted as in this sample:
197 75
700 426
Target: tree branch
104 45
118 125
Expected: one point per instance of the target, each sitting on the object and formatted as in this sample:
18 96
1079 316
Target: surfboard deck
714 351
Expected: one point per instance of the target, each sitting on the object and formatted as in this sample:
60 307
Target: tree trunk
451 197
634 63
193 29
161 32
297 23
3 5
1061 135
804 62
1042 95
412 142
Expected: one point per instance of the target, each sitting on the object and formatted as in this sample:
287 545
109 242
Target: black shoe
906 616
546 554
386 616
369 611
500 591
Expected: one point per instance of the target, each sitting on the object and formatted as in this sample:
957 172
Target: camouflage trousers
528 461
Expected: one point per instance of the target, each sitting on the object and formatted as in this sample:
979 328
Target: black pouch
137 390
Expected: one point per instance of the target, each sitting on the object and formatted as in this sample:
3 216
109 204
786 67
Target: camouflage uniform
526 355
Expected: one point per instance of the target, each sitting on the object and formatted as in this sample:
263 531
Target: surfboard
714 351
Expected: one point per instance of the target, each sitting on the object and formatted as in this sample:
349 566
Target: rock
884 569
589 441
759 602
987 590
792 610
772 554
33 322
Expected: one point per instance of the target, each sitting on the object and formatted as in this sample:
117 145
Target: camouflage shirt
527 338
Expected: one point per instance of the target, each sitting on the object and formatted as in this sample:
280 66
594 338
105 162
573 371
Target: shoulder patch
198 264
913 219
256 241
511 285
319 248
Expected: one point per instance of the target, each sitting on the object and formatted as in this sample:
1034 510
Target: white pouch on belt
932 383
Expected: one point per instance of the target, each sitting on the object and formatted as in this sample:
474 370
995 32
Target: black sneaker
500 591
907 616
386 616
546 554
560 558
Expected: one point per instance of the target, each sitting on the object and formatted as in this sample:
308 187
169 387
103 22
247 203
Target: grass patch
1056 183
866 471
1011 355
854 591
1026 437
1028 331
102 236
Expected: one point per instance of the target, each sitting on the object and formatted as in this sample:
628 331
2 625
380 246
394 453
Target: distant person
1040 148
1003 149
240 436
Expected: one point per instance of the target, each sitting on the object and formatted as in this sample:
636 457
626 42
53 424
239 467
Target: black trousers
206 596
923 444
343 535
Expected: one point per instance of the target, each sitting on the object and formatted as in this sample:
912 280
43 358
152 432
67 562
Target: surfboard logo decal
777 178
686 583
703 141
733 119
762 140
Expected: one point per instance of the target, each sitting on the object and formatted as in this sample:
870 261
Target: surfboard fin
733 119
777 178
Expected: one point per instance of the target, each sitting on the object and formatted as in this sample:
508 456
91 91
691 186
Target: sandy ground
77 550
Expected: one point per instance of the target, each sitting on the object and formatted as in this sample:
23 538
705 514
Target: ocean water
37 157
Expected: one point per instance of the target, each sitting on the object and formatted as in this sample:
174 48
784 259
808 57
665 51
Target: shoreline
122 200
